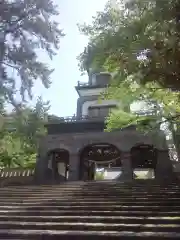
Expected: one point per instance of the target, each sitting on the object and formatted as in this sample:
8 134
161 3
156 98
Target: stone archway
58 164
98 154
144 159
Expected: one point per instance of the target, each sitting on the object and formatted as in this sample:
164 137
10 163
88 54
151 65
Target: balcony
91 118
96 84
75 125
89 89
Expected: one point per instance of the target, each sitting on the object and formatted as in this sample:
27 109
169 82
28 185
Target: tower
89 104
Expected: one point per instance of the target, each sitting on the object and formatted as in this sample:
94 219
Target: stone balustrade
13 176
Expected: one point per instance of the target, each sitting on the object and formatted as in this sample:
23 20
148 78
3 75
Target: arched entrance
96 156
144 161
58 164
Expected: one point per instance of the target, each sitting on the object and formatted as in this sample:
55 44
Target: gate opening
143 161
58 165
100 162
146 173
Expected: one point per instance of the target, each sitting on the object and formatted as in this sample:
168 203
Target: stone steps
82 226
91 195
152 208
102 210
69 235
63 203
93 213
91 219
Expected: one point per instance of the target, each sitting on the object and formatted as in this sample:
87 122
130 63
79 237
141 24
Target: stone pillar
164 168
127 172
73 167
41 169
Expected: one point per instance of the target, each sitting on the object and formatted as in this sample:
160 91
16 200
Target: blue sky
62 94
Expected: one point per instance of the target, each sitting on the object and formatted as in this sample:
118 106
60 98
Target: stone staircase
86 210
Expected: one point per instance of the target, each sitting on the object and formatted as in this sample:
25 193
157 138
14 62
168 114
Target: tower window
100 111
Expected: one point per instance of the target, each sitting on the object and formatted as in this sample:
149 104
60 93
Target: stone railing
90 118
76 119
16 176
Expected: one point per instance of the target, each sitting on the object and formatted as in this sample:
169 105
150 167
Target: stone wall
74 143
124 140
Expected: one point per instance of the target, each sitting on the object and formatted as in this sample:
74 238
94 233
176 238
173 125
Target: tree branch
9 65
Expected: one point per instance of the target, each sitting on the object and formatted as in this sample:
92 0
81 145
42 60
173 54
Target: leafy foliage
15 152
159 104
137 38
20 133
99 176
26 27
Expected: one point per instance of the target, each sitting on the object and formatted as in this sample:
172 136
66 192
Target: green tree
20 133
159 104
12 151
26 27
137 38
29 122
